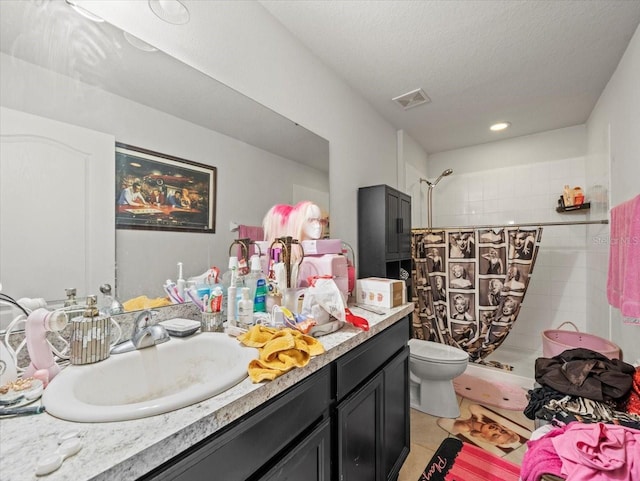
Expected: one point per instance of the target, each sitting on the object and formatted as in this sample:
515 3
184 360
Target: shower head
444 174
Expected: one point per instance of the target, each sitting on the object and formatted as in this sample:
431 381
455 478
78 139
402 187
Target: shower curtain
468 285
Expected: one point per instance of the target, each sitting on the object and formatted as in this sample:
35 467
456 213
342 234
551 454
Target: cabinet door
392 224
404 228
360 433
396 415
310 460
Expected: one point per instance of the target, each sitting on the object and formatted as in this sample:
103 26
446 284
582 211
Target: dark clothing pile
585 373
585 386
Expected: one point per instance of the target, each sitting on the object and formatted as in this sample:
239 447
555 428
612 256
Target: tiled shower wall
528 194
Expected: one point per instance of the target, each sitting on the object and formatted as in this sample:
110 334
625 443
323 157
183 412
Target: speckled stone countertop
126 450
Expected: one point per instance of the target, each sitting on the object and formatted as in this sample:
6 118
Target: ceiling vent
412 99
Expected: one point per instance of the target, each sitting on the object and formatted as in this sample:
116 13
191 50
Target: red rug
458 461
492 393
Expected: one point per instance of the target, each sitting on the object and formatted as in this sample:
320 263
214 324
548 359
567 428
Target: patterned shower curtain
468 285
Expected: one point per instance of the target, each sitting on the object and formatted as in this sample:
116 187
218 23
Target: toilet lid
434 351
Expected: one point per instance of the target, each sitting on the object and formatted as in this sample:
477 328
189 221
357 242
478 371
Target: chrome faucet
146 333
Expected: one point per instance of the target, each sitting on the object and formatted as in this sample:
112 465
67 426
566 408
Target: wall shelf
573 208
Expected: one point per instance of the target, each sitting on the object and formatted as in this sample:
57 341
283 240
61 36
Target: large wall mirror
70 89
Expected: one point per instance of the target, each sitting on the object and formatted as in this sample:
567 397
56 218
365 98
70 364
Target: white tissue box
380 292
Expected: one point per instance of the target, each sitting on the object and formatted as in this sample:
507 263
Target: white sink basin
149 381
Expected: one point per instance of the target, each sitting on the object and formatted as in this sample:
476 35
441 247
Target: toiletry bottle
258 285
233 278
231 305
245 309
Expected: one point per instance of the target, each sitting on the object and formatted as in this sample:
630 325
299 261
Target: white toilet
432 367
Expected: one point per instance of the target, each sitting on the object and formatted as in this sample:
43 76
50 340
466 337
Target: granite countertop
128 449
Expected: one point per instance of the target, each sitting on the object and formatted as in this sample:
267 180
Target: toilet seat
437 352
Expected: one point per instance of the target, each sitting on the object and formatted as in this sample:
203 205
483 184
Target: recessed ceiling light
500 126
171 11
85 13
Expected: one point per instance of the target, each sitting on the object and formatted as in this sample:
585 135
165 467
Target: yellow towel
143 302
279 351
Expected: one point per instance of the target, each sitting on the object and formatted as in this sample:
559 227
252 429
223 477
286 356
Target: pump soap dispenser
91 335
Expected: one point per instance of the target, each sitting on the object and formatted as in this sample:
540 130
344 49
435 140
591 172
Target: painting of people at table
160 192
131 195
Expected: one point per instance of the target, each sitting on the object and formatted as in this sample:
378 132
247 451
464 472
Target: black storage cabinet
384 233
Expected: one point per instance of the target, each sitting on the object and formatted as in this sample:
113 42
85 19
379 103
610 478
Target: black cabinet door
404 228
309 461
396 424
360 434
392 224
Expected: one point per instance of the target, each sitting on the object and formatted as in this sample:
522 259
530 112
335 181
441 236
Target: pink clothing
623 281
541 457
599 452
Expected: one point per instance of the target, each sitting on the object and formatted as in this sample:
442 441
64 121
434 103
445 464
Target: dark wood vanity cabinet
348 421
373 420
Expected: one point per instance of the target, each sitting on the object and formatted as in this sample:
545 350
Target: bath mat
487 429
455 460
492 393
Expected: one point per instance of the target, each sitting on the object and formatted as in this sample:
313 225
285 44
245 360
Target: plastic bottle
231 305
257 283
245 309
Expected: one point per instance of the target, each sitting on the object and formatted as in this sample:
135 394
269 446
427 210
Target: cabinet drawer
254 440
355 367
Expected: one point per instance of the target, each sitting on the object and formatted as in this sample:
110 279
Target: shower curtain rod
526 224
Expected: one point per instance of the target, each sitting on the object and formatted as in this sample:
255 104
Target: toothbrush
171 289
180 281
193 295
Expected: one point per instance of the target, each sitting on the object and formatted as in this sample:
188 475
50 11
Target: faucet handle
145 318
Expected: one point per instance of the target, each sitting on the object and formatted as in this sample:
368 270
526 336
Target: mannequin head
305 221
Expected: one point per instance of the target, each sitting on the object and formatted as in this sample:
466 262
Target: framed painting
160 192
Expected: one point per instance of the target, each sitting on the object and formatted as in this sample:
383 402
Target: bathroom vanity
345 416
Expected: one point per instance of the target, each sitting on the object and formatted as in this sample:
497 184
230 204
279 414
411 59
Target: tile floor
426 436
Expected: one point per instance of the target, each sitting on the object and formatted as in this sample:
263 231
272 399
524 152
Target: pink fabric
599 452
255 233
623 282
541 457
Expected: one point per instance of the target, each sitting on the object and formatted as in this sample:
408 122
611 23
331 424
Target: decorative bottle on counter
91 335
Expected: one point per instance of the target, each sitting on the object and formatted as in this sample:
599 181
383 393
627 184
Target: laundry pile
591 404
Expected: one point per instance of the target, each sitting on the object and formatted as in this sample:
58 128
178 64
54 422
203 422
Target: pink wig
275 222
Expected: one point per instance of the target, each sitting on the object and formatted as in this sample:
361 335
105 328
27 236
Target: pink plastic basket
555 341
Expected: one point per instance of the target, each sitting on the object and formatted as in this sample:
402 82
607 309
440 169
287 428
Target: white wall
412 165
614 160
245 188
246 48
519 181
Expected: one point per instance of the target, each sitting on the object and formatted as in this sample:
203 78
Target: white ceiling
540 65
